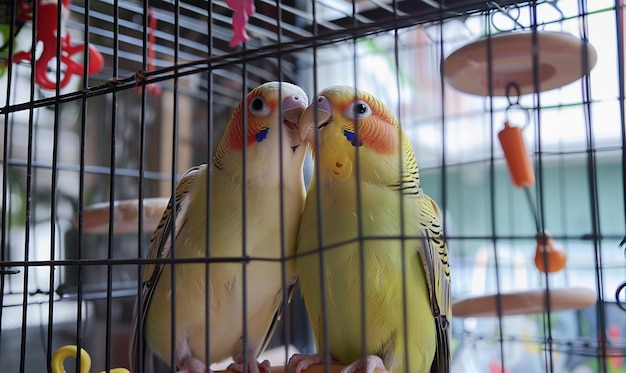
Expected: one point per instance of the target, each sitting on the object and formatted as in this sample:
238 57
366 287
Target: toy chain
622 286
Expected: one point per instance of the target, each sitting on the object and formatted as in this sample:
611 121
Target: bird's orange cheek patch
235 133
381 137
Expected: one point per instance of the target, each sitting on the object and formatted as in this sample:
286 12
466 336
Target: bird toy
550 256
242 10
46 34
85 360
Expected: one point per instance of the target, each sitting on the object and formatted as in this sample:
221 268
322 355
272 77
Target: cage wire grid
129 131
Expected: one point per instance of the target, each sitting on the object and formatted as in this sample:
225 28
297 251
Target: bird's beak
317 115
293 106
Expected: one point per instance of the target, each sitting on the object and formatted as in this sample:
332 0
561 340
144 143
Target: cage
95 142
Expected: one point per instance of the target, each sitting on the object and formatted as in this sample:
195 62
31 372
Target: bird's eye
258 107
358 110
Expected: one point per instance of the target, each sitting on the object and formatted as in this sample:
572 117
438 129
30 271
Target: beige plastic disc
560 62
125 216
524 302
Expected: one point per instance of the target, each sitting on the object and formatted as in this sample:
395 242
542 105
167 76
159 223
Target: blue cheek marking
351 136
261 135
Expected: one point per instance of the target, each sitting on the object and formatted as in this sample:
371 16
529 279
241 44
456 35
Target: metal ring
510 86
620 304
513 100
523 109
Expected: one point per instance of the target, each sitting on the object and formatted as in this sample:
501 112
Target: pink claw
253 365
302 361
191 365
368 365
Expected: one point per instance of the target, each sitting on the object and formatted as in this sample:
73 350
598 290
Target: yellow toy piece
85 360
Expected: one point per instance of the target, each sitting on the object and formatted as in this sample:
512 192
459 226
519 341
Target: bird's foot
303 361
367 365
190 364
253 365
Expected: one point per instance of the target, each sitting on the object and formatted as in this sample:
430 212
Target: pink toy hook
242 9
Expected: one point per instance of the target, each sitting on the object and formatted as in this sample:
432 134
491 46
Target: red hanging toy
46 33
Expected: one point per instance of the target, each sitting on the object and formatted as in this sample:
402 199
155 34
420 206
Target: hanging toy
85 360
153 88
242 9
550 256
517 159
47 34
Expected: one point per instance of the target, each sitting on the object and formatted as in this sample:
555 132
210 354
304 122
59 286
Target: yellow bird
366 211
274 199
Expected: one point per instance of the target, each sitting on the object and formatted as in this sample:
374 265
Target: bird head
342 121
269 109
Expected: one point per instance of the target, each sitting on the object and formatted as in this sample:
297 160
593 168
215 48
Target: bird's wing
160 247
434 259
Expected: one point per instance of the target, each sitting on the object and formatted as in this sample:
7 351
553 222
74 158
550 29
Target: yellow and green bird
366 211
264 227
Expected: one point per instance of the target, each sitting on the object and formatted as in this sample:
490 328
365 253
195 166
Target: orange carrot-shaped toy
517 159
